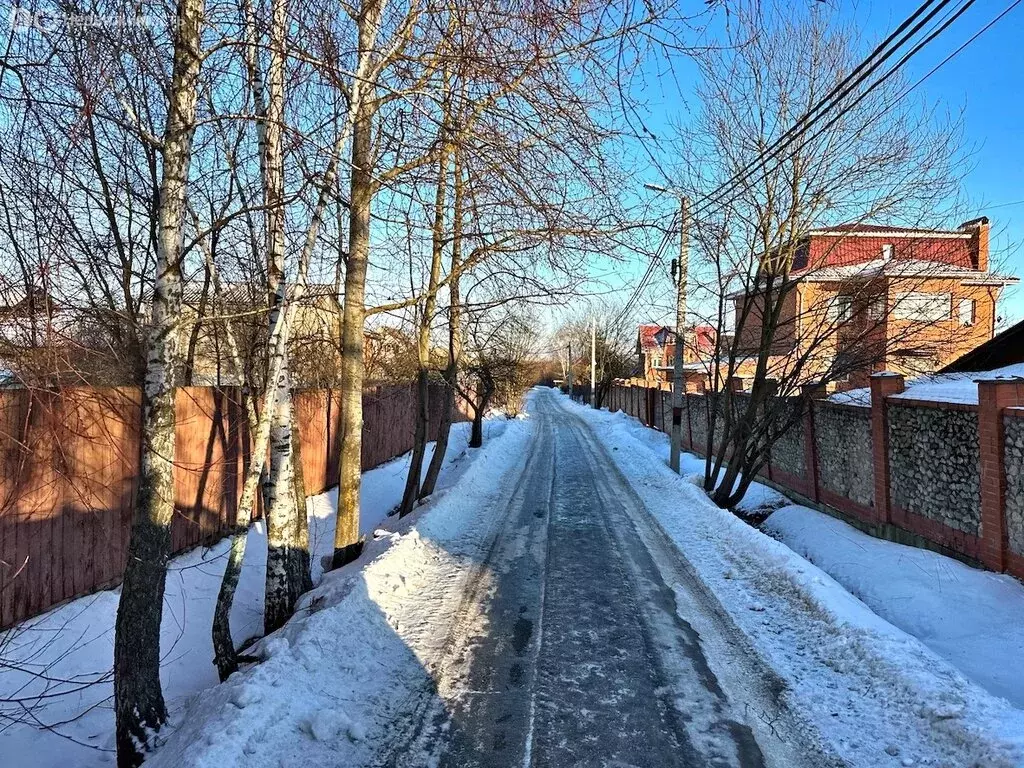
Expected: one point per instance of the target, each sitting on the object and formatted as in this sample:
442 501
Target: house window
876 308
967 311
841 309
887 251
923 307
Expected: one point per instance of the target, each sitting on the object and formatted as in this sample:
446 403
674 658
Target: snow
939 387
972 618
72 645
861 681
333 678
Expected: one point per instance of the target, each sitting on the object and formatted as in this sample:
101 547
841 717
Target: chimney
978 229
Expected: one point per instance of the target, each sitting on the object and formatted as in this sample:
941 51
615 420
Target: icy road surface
586 640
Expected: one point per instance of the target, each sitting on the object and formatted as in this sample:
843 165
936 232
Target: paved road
590 643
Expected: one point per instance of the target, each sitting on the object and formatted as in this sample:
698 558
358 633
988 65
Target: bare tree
500 347
614 349
884 158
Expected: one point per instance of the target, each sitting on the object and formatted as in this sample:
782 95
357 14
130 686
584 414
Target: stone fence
947 476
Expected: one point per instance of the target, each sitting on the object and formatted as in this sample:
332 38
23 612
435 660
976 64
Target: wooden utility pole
679 274
568 369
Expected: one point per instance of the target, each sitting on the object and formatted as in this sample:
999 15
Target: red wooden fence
69 462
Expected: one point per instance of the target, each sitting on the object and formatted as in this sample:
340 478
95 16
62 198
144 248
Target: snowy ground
972 618
877 694
55 680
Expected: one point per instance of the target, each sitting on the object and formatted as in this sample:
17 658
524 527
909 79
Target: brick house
889 298
656 349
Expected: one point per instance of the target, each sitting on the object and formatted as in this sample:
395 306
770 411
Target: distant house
905 300
314 337
656 350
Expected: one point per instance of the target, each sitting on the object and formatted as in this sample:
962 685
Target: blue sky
986 81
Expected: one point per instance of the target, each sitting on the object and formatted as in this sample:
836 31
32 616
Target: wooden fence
69 461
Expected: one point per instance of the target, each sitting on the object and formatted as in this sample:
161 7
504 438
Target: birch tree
138 700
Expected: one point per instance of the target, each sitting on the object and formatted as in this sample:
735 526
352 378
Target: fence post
810 393
993 397
882 385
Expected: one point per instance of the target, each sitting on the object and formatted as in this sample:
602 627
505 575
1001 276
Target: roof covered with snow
902 268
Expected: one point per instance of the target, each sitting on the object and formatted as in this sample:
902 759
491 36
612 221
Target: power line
766 169
655 260
839 91
796 132
861 72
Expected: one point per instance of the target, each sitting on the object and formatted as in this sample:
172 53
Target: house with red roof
898 299
656 349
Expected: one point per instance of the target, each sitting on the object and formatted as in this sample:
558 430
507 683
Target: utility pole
680 267
679 274
568 369
593 362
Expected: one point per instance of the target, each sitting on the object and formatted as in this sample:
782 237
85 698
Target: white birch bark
138 699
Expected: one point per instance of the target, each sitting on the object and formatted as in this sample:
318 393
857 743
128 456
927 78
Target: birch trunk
287 536
139 705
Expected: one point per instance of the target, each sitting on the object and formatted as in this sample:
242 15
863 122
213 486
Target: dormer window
887 251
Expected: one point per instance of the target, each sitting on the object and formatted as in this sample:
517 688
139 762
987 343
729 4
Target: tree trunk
412 481
287 551
451 372
476 437
443 433
347 544
419 445
139 705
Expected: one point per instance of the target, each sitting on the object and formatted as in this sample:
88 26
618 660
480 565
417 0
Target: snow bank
332 680
973 618
874 694
73 644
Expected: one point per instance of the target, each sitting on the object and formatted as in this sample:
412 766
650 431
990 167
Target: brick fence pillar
993 397
882 385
